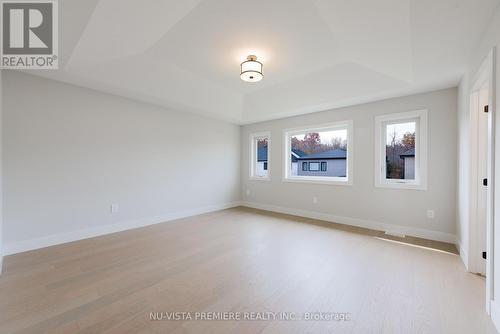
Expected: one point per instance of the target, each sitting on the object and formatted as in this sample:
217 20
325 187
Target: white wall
362 203
71 152
490 40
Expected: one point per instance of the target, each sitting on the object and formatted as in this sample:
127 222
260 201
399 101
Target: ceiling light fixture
251 69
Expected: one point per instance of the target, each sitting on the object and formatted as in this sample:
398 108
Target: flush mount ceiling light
251 69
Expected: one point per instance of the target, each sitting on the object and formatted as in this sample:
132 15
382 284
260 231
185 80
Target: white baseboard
374 225
61 238
464 254
495 314
56 239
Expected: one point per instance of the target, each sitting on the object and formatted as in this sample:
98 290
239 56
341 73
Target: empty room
228 166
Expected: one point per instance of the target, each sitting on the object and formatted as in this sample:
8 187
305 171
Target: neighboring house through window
259 155
328 163
408 164
295 154
401 150
323 152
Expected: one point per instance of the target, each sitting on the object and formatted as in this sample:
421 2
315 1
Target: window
313 166
259 155
319 154
401 150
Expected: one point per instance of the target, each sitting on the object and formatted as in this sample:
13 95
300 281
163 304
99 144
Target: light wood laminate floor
241 260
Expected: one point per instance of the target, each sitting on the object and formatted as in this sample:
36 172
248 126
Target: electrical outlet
114 208
431 214
315 200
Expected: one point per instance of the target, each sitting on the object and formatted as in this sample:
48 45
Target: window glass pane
314 166
400 150
261 167
313 148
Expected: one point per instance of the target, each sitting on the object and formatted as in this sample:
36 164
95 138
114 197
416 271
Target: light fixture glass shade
251 70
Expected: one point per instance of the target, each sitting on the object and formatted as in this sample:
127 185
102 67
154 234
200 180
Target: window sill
257 178
319 180
401 186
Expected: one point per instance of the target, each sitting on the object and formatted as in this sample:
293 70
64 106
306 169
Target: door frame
485 75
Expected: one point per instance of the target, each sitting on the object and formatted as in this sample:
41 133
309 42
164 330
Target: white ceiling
317 54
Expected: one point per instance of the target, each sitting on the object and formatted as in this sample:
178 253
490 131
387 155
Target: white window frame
330 180
253 155
421 138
